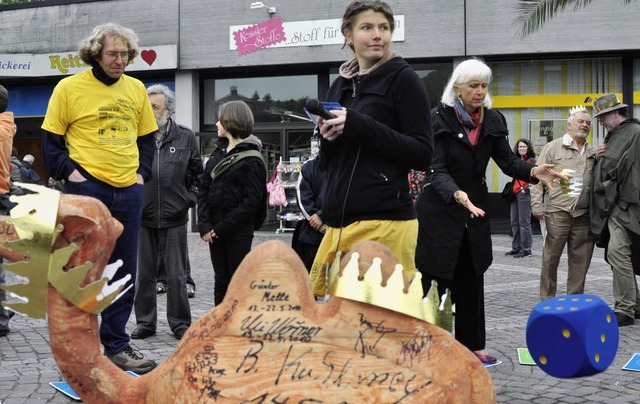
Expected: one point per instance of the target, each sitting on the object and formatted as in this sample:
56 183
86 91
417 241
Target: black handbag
507 192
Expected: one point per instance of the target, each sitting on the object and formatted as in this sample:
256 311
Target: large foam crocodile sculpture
268 342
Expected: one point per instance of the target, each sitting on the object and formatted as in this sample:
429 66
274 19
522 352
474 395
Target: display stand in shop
289 213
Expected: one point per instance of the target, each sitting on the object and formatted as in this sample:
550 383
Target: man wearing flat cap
615 202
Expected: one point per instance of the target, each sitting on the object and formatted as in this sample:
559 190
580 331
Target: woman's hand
463 199
209 237
317 223
330 129
546 174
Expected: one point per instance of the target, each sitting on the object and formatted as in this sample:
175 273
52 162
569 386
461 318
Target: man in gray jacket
166 201
615 202
566 216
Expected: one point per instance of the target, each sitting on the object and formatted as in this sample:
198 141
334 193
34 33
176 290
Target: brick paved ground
27 365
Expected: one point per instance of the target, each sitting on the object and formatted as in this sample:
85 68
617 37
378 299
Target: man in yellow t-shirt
95 137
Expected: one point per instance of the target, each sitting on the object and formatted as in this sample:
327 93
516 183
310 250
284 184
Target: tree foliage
533 14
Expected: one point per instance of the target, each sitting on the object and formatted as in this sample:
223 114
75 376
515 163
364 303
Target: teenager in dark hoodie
383 131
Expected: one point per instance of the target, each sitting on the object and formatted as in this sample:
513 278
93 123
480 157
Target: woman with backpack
232 194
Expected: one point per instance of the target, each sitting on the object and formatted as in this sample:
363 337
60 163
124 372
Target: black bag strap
228 161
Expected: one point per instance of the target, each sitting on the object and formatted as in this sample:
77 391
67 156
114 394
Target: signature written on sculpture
274 352
296 369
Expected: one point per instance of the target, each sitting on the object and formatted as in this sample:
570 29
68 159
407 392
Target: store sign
259 36
311 33
160 57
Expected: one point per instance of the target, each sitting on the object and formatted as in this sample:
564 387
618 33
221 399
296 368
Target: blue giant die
572 336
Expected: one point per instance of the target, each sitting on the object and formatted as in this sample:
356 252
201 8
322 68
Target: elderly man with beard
566 216
165 207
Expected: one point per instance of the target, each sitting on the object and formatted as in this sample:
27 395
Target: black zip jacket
177 167
229 204
387 132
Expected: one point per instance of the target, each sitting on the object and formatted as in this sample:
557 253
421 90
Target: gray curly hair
91 46
169 96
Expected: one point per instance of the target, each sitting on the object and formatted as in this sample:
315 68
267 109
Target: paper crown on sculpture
385 286
606 104
34 220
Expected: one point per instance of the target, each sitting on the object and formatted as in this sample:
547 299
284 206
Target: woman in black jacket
382 131
454 239
228 204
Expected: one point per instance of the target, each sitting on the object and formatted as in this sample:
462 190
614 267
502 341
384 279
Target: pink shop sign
259 36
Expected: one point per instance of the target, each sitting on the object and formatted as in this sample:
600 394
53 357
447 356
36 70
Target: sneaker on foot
191 290
512 252
131 359
161 288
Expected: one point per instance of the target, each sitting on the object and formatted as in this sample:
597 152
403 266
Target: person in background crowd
454 239
166 202
382 131
7 132
96 138
309 232
615 203
29 174
229 203
566 216
521 206
15 165
58 185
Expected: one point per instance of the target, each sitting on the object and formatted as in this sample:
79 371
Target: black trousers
226 255
467 292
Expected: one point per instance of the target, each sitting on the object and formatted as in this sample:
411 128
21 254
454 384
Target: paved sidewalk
27 365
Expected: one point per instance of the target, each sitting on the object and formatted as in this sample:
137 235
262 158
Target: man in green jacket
615 201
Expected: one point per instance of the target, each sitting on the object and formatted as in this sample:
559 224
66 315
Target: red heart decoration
149 56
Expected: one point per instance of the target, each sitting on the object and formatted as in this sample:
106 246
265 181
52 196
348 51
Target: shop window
546 89
272 99
535 98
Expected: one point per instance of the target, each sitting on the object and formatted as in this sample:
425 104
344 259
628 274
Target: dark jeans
226 255
125 205
521 222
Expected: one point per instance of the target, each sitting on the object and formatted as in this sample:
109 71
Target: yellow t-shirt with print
101 124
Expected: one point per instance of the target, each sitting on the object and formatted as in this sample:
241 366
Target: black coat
458 165
388 132
311 188
170 193
230 203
